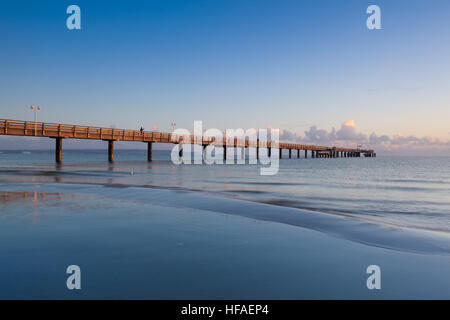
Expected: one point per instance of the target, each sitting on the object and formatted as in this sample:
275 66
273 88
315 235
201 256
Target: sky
310 68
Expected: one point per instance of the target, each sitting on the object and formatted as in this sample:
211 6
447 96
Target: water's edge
348 227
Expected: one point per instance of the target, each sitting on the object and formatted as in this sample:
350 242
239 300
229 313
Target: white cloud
347 135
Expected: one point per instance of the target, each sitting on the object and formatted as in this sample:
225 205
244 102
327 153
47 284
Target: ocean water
158 230
403 191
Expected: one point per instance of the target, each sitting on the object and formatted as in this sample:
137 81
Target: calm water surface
403 191
157 230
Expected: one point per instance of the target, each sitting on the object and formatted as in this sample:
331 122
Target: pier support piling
204 152
257 149
149 151
180 150
111 150
58 150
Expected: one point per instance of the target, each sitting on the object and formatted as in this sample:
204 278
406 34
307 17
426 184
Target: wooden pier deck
64 131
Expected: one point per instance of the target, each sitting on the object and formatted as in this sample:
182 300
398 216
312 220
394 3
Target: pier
59 132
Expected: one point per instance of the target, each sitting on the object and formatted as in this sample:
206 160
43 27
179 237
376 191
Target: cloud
374 139
348 132
288 135
349 123
347 135
315 135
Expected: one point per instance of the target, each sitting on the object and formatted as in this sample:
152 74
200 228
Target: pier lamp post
35 110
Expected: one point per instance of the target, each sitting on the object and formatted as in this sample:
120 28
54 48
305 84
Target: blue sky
247 63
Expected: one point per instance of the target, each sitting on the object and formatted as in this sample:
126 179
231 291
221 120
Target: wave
427 181
340 185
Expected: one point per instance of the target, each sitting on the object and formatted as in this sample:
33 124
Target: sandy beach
147 243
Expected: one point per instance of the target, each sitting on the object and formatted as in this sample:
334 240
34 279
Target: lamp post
35 110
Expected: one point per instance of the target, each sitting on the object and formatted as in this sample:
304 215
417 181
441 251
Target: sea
157 230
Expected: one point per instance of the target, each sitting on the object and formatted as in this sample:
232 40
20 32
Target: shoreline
349 227
159 244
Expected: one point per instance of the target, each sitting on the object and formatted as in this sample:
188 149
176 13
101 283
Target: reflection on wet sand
33 196
34 203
